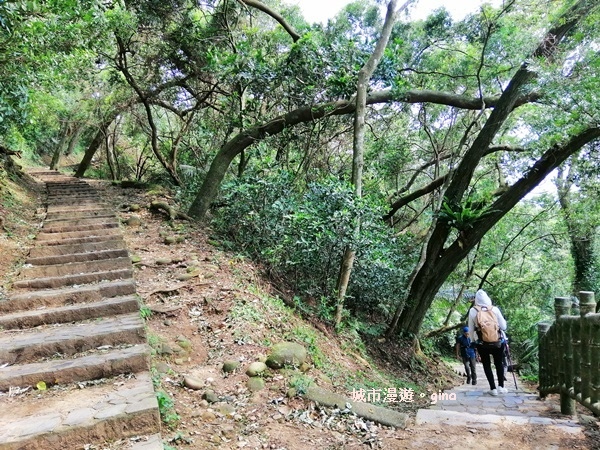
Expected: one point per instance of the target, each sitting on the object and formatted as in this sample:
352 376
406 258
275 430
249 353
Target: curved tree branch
244 139
275 15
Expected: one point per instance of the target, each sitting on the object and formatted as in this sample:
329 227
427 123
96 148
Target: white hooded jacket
482 299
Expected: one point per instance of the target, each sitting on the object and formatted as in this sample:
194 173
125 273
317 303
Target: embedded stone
255 384
193 383
286 354
230 366
255 369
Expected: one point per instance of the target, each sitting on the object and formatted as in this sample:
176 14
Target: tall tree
364 76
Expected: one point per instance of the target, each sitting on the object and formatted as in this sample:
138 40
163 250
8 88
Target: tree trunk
94 146
74 139
64 135
581 239
364 76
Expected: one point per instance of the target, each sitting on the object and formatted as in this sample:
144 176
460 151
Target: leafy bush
301 236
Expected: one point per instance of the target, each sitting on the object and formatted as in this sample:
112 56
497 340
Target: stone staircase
72 321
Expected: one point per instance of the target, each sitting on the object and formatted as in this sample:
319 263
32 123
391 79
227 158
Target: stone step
74 211
78 257
101 364
67 214
79 192
67 295
68 249
73 200
79 418
72 197
82 240
113 223
72 313
46 236
31 345
74 268
153 442
71 280
481 420
80 221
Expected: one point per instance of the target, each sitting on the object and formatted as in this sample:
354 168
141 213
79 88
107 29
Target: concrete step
80 221
100 364
71 280
486 421
76 418
32 345
74 268
112 223
116 243
152 442
66 213
51 236
82 240
72 313
78 257
67 295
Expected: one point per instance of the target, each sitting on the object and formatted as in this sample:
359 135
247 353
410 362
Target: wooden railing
569 352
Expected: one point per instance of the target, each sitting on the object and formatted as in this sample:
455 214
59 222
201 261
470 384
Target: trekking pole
511 364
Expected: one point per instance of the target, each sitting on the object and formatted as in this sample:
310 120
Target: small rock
255 384
208 416
165 349
179 361
163 261
170 240
291 392
184 344
135 259
162 367
133 221
167 323
185 276
193 383
134 207
255 369
230 366
210 396
226 409
286 354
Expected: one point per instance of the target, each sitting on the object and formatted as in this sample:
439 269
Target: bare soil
205 305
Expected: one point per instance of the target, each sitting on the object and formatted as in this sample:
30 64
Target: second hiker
487 322
465 351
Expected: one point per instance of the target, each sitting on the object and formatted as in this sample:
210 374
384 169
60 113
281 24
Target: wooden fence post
543 372
562 308
587 305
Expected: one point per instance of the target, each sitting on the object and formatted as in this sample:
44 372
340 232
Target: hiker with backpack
465 351
488 323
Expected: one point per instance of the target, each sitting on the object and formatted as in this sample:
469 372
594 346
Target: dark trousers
486 355
470 367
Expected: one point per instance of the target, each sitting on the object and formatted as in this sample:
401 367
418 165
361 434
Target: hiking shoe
468 380
502 390
493 393
474 381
